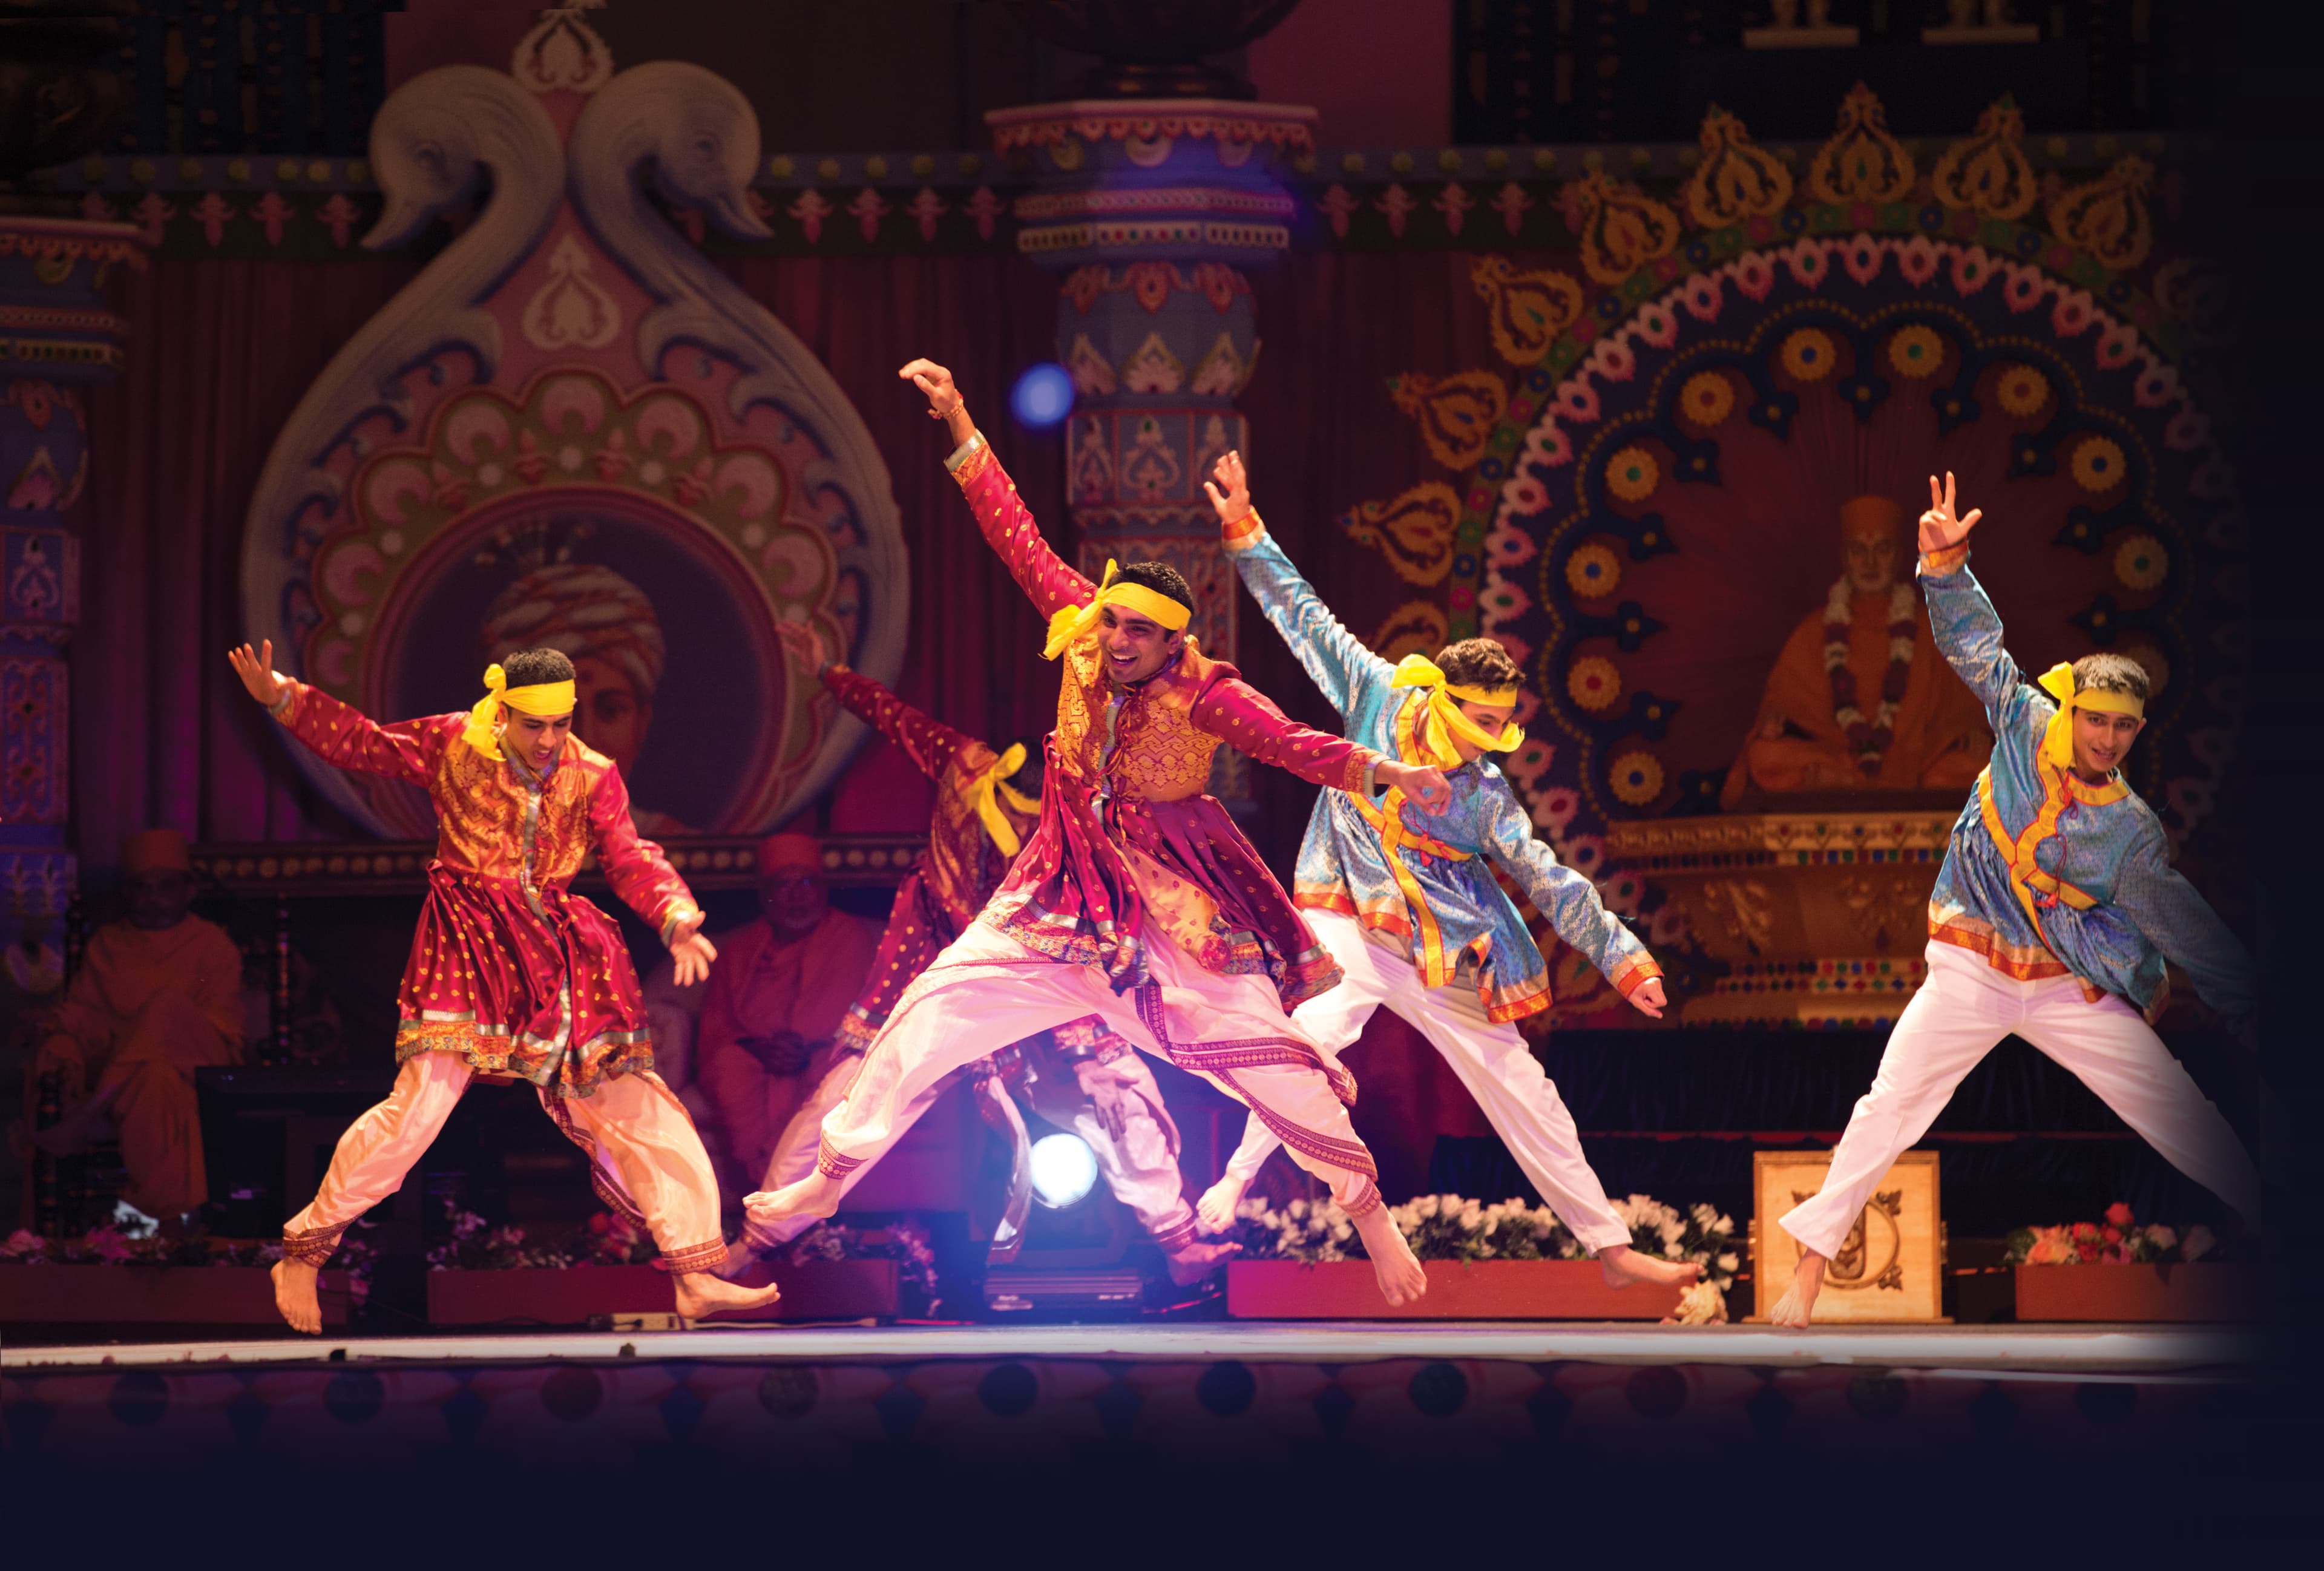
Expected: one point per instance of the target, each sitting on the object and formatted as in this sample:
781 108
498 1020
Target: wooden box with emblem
1890 1268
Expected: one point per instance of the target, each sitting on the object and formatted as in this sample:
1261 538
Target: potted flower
1509 1262
482 1275
2119 1269
108 1277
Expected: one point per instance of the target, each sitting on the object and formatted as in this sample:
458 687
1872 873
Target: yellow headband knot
1445 721
1075 623
548 699
992 788
2058 681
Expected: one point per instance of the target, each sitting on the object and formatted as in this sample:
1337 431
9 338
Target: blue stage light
1064 1171
1043 396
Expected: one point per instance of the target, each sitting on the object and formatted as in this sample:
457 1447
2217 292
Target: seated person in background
159 994
1860 700
776 998
675 1012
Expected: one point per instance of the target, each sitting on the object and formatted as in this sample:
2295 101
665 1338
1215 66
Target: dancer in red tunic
1137 899
511 973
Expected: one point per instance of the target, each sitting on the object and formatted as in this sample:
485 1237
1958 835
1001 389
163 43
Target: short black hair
1159 577
1029 778
533 668
1479 663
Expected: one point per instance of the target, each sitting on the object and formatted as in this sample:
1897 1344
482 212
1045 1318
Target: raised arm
1567 899
1962 621
1009 527
339 734
1245 718
1337 659
930 743
2163 906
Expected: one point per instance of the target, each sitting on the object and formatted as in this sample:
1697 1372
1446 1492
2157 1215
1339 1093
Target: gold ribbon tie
1446 720
991 787
1075 623
545 699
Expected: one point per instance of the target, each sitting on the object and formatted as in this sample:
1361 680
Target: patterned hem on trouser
312 1248
830 1163
1177 1237
698 1257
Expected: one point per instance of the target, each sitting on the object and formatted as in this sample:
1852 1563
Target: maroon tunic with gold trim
957 873
510 968
1127 835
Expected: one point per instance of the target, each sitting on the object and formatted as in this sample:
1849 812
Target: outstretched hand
257 673
1941 531
690 954
1229 489
1423 784
944 402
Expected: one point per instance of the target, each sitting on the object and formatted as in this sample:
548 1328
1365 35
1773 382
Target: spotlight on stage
1043 396
1065 1169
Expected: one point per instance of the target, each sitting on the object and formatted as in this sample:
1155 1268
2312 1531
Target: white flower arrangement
1450 1228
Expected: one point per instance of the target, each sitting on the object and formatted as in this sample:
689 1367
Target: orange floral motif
1456 413
1632 474
1734 181
2022 390
1414 530
1808 355
2107 217
1621 227
2098 464
1862 163
1706 399
1988 173
1916 352
1524 310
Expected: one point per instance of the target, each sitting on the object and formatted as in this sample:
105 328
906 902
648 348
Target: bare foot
1197 1261
1215 1211
813 1195
740 1258
1622 1266
295 1296
1401 1280
700 1294
1798 1303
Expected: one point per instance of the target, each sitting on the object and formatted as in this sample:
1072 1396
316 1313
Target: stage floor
2145 1352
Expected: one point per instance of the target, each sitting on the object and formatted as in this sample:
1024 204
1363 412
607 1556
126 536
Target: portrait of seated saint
1859 699
607 628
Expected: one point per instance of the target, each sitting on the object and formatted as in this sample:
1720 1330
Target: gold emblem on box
1891 1266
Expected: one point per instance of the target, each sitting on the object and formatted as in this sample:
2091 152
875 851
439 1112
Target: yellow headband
1446 720
1074 623
992 784
546 699
2058 681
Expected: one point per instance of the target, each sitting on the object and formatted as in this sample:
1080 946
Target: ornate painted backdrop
572 429
1640 498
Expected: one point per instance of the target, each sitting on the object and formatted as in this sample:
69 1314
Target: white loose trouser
1961 1013
987 990
1491 1059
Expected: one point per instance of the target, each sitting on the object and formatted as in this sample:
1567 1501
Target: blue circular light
1065 1169
1043 396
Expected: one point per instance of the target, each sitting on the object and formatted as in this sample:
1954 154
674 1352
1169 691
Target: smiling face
536 739
1134 647
2101 740
1493 718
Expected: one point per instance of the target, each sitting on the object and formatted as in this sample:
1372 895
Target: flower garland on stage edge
1869 739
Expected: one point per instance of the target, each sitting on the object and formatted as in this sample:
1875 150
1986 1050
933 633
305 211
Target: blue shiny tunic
2085 887
1463 912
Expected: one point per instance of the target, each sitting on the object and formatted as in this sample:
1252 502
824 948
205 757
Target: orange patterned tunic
510 968
1129 848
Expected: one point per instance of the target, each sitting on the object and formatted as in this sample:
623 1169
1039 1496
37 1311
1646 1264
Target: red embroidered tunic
961 867
1128 844
510 968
